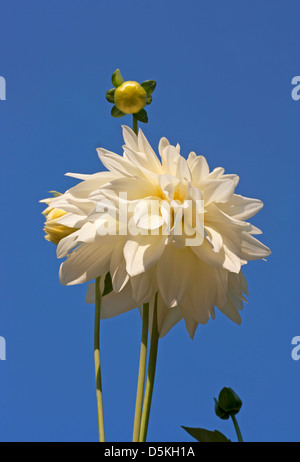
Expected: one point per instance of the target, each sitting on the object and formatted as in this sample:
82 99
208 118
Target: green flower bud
130 97
228 404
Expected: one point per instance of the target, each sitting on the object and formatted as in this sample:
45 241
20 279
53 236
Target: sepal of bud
117 78
142 116
110 95
55 193
149 86
115 112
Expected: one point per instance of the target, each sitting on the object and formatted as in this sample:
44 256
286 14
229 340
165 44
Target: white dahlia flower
160 225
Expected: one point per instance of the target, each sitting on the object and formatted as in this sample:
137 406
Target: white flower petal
117 164
118 272
147 214
95 181
199 169
151 158
172 317
241 207
215 238
112 304
170 158
88 233
168 185
231 312
86 262
191 157
233 177
221 276
69 204
183 171
238 284
99 178
173 274
244 285
132 189
141 252
200 298
254 230
252 249
190 324
166 317
66 244
72 220
217 190
163 143
144 286
130 138
225 259
78 176
218 218
216 173
233 259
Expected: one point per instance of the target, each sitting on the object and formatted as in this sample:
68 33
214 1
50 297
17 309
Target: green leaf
115 112
142 116
107 285
110 95
206 436
117 78
149 86
149 100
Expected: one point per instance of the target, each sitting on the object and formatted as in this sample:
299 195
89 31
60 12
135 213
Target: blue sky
224 71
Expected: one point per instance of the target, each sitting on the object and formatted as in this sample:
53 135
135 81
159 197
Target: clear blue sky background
224 70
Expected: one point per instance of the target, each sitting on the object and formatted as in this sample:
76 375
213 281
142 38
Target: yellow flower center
130 97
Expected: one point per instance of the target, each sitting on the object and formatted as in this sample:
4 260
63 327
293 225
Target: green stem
97 361
141 376
150 376
135 124
237 429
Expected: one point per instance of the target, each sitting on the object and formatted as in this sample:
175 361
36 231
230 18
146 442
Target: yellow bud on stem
130 97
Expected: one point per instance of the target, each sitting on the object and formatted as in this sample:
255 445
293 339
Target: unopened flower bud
130 97
228 403
54 231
